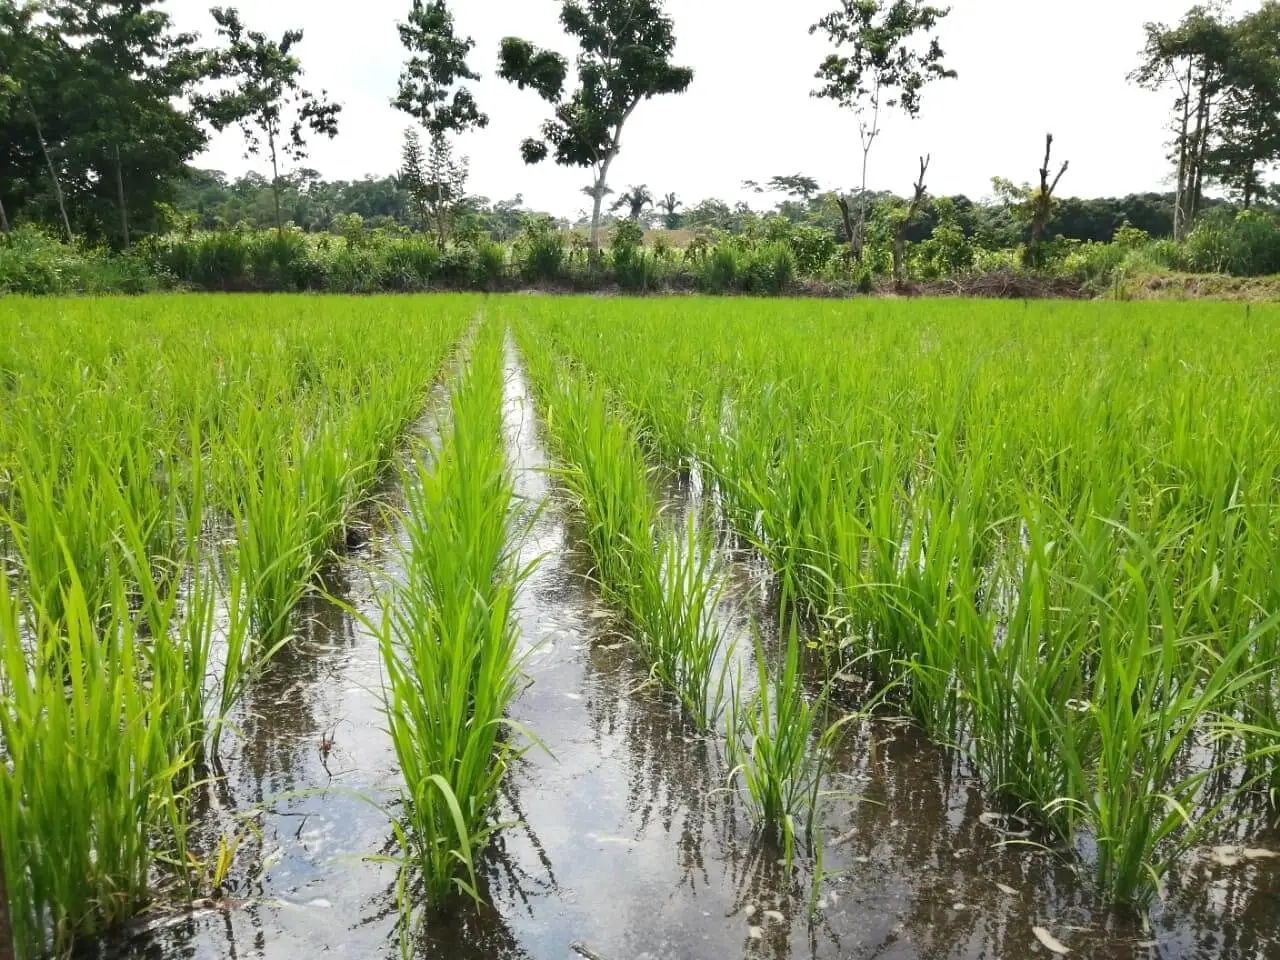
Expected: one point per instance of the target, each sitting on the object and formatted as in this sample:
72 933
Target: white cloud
1026 67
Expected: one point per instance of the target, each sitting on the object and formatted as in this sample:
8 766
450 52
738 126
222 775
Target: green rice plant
61 524
1155 686
957 490
91 812
777 747
666 583
278 551
449 639
674 604
1023 677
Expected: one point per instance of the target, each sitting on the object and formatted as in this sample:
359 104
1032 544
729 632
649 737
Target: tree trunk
53 173
275 182
857 241
1180 191
124 208
1200 146
6 924
846 214
900 235
597 201
597 198
1043 203
4 218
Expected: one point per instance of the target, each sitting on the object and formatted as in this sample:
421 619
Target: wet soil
628 845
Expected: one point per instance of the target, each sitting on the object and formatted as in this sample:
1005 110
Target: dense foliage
767 256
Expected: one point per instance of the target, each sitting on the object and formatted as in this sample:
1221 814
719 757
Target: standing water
626 843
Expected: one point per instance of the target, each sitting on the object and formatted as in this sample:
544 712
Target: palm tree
635 199
668 205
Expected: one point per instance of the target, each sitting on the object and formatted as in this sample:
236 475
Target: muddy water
627 843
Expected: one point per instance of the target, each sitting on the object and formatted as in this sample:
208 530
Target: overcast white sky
1026 67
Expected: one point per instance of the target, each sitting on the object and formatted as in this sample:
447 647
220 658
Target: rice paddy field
537 627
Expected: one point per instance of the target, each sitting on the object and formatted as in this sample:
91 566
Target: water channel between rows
627 844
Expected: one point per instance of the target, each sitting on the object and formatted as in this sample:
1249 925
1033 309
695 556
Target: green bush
1093 264
412 264
490 265
1244 245
458 266
632 267
221 261
863 281
720 270
812 249
767 262
771 268
354 270
540 251
278 261
32 262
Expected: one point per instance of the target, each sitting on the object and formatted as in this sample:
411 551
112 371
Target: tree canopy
886 52
266 100
624 58
431 88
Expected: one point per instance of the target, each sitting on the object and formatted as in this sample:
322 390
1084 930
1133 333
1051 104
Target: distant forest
209 200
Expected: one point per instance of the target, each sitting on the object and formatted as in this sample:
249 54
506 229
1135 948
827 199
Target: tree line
209 200
104 103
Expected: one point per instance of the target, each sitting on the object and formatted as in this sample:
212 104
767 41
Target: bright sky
1026 67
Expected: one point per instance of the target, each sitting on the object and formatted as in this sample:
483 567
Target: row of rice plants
305 446
103 716
665 581
449 640
669 585
297 407
132 430
1052 528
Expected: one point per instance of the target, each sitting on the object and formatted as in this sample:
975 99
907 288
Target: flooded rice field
625 843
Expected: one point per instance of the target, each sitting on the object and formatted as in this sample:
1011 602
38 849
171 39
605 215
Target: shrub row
774 262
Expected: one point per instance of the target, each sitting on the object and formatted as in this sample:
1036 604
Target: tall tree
35 64
436 183
625 57
267 99
1042 201
634 199
413 177
1192 58
431 88
670 206
796 185
1032 207
905 217
886 52
131 67
1248 130
433 92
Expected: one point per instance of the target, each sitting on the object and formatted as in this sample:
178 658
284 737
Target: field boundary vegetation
1227 257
